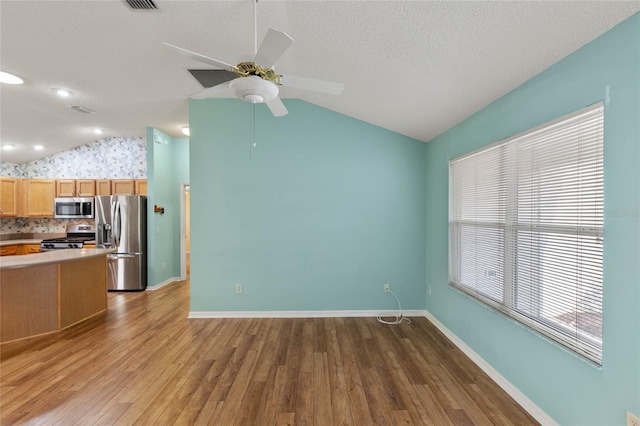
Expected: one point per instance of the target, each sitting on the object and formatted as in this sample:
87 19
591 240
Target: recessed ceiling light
65 93
38 147
8 146
185 130
7 78
98 131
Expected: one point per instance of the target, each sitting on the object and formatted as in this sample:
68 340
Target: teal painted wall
325 211
569 389
167 168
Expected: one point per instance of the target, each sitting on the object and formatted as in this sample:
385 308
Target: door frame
184 188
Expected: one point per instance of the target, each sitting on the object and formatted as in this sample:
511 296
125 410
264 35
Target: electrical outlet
164 265
238 288
429 290
632 420
386 288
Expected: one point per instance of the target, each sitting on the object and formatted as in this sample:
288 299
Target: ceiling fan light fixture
254 89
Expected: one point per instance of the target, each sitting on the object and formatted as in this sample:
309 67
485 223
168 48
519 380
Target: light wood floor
145 363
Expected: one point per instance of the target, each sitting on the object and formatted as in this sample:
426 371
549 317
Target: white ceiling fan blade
274 44
312 84
276 107
201 58
219 91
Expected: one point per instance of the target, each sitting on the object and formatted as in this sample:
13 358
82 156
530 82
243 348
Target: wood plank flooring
145 363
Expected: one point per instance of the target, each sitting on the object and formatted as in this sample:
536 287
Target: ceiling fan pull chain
252 129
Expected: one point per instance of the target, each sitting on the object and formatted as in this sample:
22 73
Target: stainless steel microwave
70 208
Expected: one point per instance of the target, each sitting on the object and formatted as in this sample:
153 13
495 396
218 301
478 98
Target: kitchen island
48 292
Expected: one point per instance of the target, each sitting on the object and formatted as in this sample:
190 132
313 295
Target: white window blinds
525 228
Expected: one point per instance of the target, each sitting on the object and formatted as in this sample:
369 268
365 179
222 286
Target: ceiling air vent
142 4
80 108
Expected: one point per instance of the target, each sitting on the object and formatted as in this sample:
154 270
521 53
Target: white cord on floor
399 316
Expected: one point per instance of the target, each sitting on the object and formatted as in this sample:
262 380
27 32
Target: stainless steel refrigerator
121 223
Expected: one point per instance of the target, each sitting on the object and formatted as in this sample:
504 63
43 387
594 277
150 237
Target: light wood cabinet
129 187
65 188
45 298
29 249
85 188
9 197
141 187
35 197
123 186
8 250
103 187
38 197
75 187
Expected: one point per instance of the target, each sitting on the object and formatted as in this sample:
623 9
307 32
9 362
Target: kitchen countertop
55 256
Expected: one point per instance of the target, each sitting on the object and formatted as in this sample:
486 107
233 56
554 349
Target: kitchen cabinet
141 187
29 249
59 290
65 188
75 187
103 187
9 197
8 250
123 186
38 196
85 188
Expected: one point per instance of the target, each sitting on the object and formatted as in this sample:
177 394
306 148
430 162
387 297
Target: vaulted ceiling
414 67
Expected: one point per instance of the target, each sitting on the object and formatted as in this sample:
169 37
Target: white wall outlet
385 288
429 290
632 420
164 265
238 288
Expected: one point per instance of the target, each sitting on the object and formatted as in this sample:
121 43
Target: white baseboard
163 283
300 314
506 385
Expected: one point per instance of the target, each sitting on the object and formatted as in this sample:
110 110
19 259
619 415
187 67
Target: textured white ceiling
414 67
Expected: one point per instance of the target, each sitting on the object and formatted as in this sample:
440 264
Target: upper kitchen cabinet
141 186
65 188
103 187
9 197
123 186
38 196
129 186
85 188
75 187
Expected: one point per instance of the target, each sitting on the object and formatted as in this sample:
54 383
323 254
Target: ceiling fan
254 81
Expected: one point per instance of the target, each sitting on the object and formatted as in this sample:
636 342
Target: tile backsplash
110 158
15 225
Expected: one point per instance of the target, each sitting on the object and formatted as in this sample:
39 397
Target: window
525 228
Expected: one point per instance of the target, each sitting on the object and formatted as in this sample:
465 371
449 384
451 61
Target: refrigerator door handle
123 256
113 222
117 224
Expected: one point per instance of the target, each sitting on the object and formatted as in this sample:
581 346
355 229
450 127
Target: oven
77 236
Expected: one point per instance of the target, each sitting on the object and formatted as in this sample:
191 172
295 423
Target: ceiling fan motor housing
254 89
